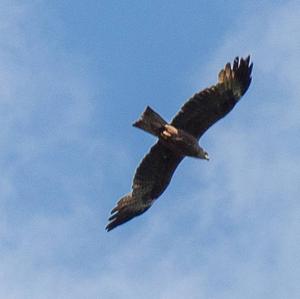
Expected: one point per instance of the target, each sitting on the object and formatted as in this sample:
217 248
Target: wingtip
126 209
246 61
240 71
108 228
112 221
238 61
250 67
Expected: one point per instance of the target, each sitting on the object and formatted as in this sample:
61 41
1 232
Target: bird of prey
179 138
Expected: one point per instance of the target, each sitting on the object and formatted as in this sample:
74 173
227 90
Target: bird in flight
179 138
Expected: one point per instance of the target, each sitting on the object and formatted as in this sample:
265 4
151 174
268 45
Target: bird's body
179 139
183 143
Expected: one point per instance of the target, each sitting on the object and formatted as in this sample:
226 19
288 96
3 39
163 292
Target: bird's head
202 154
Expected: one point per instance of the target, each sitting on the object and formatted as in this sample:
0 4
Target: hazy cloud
224 229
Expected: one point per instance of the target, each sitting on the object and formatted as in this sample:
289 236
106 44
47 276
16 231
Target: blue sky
74 75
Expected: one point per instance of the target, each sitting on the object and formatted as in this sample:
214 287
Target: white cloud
254 178
46 105
235 236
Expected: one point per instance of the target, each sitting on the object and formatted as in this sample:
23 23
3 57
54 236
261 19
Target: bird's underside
179 138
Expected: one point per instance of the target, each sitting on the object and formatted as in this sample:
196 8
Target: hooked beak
206 156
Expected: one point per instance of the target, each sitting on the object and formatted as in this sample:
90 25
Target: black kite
180 138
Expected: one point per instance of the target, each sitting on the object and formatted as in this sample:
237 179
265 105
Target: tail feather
127 208
151 122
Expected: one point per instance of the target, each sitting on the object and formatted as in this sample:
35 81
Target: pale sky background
74 75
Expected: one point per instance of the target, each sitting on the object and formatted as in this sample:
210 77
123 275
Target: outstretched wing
208 106
152 177
154 173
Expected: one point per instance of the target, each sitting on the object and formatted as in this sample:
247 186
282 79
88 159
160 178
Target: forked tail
151 122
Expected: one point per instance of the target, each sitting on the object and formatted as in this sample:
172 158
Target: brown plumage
180 138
